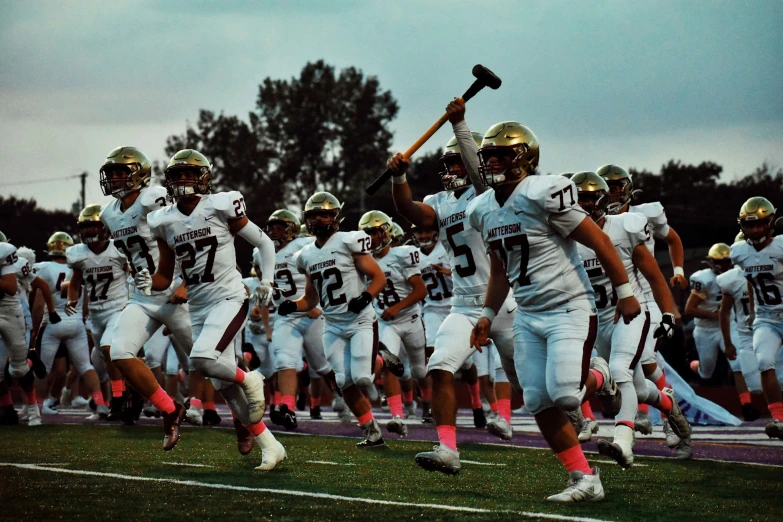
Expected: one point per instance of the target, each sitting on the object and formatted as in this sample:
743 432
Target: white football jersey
204 246
131 232
289 282
659 226
334 274
733 283
704 285
24 277
398 265
626 231
529 234
467 253
104 275
439 286
55 274
764 271
8 260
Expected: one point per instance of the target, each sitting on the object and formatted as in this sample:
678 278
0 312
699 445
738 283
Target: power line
33 181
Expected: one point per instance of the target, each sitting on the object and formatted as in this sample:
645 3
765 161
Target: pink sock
574 460
5 400
744 398
661 382
365 418
407 396
587 411
395 405
29 397
209 405
625 423
239 377
278 398
599 381
98 398
117 388
776 409
256 429
664 403
644 408
504 409
475 395
448 436
315 402
426 394
161 400
288 400
493 406
196 403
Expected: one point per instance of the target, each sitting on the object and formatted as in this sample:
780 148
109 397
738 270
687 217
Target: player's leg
390 339
318 365
707 345
749 366
360 358
78 351
414 340
287 346
12 332
767 345
652 371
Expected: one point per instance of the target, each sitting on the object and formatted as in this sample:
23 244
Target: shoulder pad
153 198
650 210
540 190
634 223
6 249
157 217
701 276
75 254
224 201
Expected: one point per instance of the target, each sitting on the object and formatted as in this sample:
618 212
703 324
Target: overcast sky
633 83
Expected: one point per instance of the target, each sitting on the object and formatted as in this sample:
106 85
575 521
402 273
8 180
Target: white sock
623 437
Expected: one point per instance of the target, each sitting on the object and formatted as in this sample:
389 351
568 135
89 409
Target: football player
737 333
622 344
761 259
295 333
620 197
532 224
103 267
336 266
197 233
401 325
703 305
447 211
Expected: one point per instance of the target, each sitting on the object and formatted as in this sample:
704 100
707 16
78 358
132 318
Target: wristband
678 271
399 180
488 312
624 291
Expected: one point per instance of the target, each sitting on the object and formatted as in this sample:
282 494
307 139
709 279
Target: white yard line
188 465
326 496
329 463
477 463
635 465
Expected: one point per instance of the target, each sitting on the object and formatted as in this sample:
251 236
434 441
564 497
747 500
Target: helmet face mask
126 170
92 232
453 174
58 243
322 214
188 174
620 186
424 238
757 220
509 152
593 194
282 226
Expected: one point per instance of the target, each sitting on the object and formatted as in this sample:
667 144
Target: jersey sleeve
725 281
409 258
24 272
698 284
8 259
74 256
154 198
299 262
228 205
637 228
557 197
656 217
155 222
357 242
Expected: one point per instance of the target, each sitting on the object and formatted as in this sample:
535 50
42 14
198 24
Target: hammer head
486 76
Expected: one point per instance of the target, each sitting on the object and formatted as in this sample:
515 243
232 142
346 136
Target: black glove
357 304
54 318
39 369
666 327
286 307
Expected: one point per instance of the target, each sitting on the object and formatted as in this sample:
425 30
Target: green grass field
659 489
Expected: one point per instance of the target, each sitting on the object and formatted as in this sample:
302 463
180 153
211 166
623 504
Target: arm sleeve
469 154
266 248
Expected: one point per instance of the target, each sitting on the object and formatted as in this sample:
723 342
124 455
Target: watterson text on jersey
504 230
193 234
324 264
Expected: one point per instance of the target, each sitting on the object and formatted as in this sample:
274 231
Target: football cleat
345 416
102 412
65 398
613 450
272 456
24 414
589 428
500 427
171 422
211 418
479 418
581 488
244 438
253 386
33 415
642 423
397 425
93 417
315 413
684 449
750 412
391 362
301 402
192 416
410 410
275 417
442 458
672 440
774 429
287 417
373 438
426 415
115 412
679 424
79 402
608 394
9 417
50 406
577 419
384 404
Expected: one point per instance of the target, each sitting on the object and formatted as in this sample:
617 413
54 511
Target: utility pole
83 177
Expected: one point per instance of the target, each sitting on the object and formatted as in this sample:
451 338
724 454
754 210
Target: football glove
256 328
54 317
357 304
286 307
143 280
666 327
263 293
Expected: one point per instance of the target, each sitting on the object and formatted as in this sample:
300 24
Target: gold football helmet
424 238
509 152
3 239
740 237
378 226
620 185
453 174
398 235
757 220
189 173
303 232
126 169
58 243
322 214
91 229
567 174
719 257
593 193
282 225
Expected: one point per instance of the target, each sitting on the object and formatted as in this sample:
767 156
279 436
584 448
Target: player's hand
357 304
666 327
143 280
479 336
678 280
287 307
390 313
315 313
398 164
731 351
180 295
456 110
255 313
54 317
628 309
38 367
263 293
439 268
71 308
